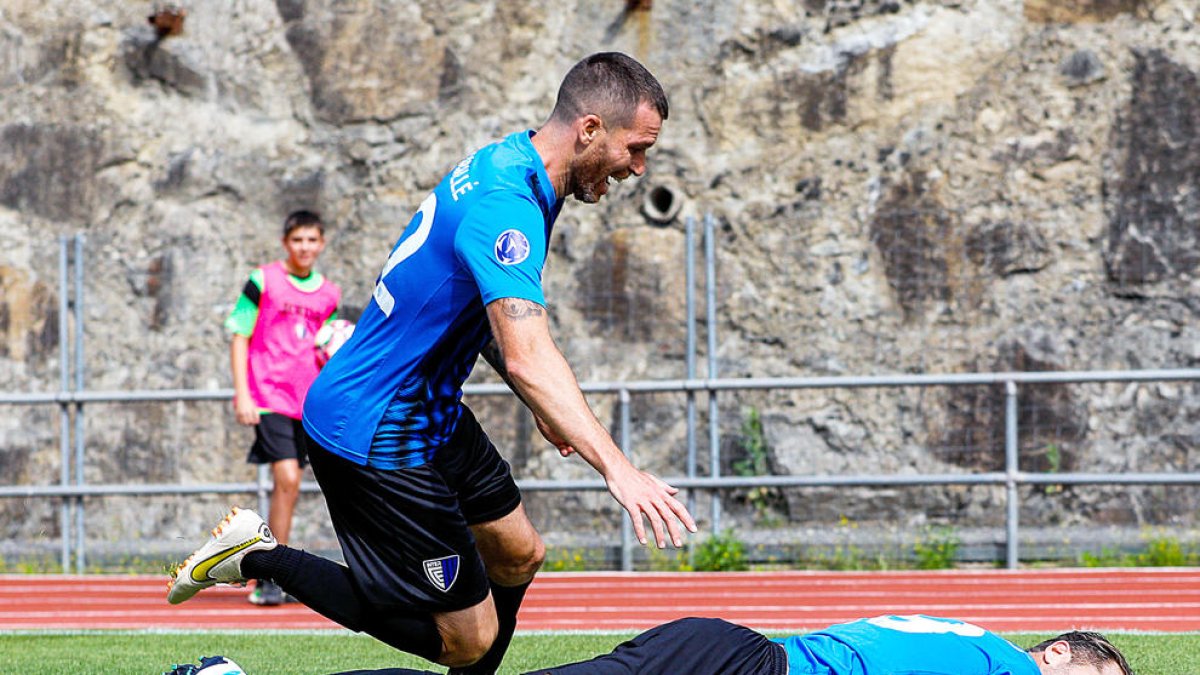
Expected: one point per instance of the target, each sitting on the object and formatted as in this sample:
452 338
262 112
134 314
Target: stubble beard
589 174
587 194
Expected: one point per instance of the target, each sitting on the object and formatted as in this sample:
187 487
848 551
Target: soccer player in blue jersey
439 550
884 645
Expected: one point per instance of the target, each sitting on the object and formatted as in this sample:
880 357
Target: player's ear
589 128
1057 653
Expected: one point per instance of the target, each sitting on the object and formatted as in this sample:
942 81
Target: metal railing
72 487
1011 478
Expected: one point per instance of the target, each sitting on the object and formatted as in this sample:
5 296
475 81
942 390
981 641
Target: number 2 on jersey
921 624
410 245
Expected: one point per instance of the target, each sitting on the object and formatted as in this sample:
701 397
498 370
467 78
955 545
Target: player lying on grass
884 645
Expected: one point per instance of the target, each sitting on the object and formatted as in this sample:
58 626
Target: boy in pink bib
273 359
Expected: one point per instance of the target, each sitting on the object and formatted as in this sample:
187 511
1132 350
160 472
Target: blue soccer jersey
905 645
391 396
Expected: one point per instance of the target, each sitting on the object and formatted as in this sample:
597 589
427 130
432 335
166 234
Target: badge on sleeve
512 247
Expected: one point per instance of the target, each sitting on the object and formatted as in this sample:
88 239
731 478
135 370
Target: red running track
1164 599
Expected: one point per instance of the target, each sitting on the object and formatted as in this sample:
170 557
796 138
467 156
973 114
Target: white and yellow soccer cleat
219 561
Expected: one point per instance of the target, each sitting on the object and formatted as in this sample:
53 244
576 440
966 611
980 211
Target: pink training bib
282 363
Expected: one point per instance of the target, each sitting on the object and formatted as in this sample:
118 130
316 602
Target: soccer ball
209 665
219 665
330 338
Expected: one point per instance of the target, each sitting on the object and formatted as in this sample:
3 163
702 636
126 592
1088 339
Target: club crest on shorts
442 572
512 247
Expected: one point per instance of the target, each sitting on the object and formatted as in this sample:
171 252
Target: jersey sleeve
245 312
502 241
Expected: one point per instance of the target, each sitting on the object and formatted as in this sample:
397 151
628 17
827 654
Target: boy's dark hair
611 85
302 218
1088 649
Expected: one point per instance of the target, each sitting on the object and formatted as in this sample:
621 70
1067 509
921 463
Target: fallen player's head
1079 653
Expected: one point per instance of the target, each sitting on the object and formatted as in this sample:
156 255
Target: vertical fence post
263 490
626 525
80 516
690 273
64 368
1011 467
714 435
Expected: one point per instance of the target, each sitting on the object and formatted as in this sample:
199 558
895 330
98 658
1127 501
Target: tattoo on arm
491 354
517 309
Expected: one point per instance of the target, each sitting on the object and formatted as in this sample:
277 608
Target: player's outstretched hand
644 494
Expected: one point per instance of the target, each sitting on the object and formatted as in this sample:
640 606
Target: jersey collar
548 198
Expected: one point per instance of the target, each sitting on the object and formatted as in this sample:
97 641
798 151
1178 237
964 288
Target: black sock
328 588
508 601
388 671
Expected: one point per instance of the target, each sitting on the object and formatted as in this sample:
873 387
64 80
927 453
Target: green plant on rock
567 560
1107 557
844 558
1159 551
721 552
1054 460
844 555
937 549
1165 552
668 560
755 461
31 564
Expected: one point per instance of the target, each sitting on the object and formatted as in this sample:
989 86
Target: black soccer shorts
405 532
278 437
693 646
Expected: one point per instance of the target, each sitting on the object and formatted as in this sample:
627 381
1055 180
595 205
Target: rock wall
900 186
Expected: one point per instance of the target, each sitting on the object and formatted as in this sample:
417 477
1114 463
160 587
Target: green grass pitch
290 653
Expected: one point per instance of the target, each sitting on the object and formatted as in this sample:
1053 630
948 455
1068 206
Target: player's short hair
302 218
611 85
1088 649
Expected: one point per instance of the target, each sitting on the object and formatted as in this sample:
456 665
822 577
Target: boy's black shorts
693 646
404 532
278 437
